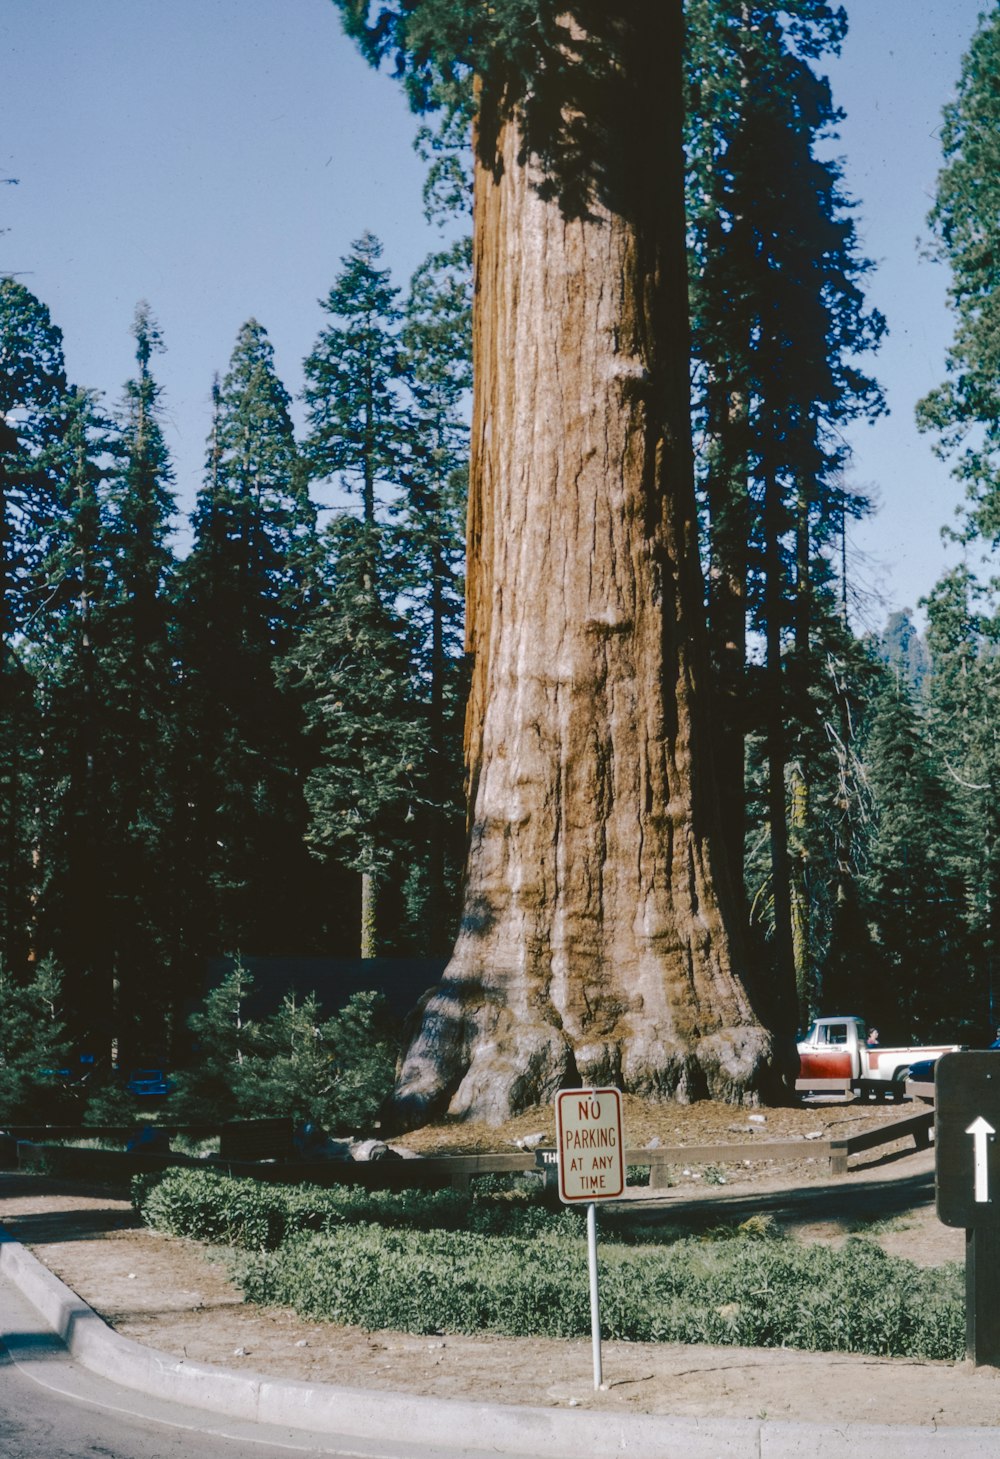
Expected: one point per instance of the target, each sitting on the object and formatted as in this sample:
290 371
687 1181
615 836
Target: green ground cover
505 1263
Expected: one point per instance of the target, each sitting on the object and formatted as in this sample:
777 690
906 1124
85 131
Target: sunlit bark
595 943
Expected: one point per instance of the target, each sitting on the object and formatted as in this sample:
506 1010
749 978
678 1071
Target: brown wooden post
967 1160
982 1295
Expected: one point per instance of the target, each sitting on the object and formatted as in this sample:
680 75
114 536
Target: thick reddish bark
594 943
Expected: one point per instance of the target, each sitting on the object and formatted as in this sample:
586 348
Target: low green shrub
245 1213
211 1206
198 1147
756 1293
111 1104
426 1281
425 1261
525 1183
82 1142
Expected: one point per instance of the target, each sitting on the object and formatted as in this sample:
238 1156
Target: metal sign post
595 1296
591 1154
967 1178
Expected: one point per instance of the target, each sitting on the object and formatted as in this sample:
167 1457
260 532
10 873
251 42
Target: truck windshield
827 1033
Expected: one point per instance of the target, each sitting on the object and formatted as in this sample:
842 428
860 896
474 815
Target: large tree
780 327
964 412
597 941
353 668
962 695
139 739
245 587
76 685
430 521
356 441
913 890
33 392
748 137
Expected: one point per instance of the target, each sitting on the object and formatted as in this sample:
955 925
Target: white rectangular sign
590 1143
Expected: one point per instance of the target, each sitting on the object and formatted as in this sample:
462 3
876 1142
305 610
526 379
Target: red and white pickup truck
835 1055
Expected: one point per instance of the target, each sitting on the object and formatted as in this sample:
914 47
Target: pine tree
244 590
901 648
430 530
728 41
334 1074
33 390
914 895
362 439
33 1044
271 518
77 683
214 1087
963 705
353 668
780 322
139 744
356 429
965 410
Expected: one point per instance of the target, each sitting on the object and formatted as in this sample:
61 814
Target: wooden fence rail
918 1127
435 1171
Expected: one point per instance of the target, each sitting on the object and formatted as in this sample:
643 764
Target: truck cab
828 1055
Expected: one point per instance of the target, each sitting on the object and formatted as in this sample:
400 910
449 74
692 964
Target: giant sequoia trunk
594 944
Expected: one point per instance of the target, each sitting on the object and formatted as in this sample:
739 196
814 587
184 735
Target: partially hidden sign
967 1152
590 1143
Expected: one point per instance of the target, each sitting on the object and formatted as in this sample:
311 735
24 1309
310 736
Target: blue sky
218 157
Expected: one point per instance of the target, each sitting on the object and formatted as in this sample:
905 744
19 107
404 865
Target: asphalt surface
51 1407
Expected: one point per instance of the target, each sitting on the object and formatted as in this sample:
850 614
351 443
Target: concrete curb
541 1433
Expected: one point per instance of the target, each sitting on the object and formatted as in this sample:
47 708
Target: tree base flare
489 1063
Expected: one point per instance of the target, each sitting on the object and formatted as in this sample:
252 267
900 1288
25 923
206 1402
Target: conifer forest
568 686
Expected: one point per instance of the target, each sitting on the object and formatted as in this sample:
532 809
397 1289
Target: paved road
51 1408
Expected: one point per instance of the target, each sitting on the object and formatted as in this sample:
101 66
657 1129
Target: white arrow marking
980 1132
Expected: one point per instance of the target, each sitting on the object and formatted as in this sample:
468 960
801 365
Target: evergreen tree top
32 368
253 522
436 46
33 426
146 447
143 500
148 338
254 423
356 424
565 70
966 220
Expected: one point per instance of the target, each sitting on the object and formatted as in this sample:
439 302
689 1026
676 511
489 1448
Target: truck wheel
899 1085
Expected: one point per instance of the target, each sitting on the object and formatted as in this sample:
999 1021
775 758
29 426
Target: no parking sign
591 1145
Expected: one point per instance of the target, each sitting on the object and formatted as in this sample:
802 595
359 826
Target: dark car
920 1079
148 1084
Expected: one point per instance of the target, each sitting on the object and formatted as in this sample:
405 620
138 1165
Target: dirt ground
175 1295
